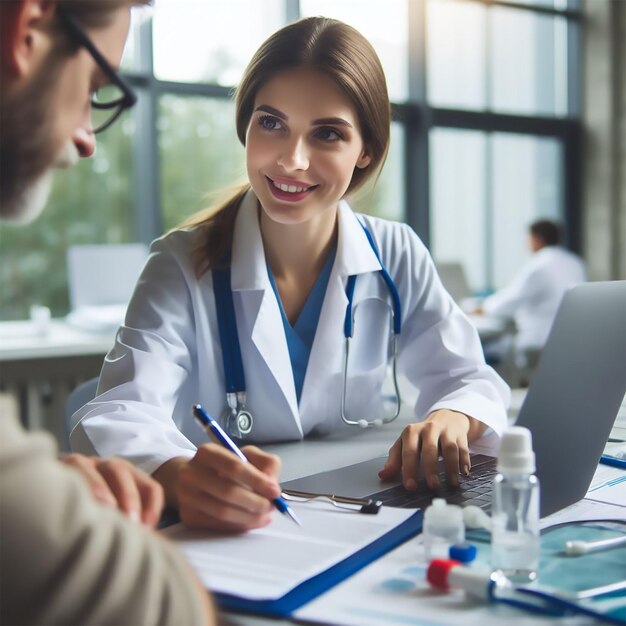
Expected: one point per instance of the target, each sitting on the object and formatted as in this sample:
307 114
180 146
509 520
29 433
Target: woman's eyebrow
331 121
272 111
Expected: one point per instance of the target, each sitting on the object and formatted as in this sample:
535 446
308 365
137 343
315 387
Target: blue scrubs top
300 336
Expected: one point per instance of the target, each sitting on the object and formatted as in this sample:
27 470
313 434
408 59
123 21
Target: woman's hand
217 491
118 483
443 432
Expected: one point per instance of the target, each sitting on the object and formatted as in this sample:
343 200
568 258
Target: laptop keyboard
473 489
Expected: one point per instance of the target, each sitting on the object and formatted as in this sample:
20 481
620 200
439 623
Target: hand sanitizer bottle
515 509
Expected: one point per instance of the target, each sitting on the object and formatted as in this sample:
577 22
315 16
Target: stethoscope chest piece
237 420
243 420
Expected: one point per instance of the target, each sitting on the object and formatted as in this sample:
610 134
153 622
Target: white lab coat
534 295
167 355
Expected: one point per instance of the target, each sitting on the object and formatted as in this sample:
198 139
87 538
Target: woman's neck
296 254
298 249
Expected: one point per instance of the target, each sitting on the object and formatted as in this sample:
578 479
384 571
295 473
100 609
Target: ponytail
214 229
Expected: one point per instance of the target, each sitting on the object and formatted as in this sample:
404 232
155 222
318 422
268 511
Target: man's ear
25 34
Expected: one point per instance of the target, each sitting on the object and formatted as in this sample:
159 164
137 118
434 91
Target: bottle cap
449 574
440 513
463 552
516 451
438 571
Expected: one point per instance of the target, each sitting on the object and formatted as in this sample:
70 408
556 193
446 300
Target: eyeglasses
109 102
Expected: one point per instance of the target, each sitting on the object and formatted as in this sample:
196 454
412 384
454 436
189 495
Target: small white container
443 527
40 318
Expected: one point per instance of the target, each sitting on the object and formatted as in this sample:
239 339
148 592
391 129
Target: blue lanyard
227 323
227 326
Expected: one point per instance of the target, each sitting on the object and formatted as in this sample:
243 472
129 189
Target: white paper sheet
608 486
266 563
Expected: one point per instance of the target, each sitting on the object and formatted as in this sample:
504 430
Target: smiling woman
301 159
284 312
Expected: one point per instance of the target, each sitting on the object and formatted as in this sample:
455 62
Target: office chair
82 394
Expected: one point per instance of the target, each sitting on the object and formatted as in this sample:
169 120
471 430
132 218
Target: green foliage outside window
92 203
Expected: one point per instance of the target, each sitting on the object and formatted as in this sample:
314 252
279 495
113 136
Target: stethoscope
236 417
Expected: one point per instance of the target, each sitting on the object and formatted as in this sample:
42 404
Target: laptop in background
101 279
570 409
454 280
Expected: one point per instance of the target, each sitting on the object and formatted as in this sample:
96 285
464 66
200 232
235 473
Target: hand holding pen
214 490
219 436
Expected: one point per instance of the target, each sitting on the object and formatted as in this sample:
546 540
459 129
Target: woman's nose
294 156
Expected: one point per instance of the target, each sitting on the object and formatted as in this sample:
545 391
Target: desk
302 458
306 457
41 369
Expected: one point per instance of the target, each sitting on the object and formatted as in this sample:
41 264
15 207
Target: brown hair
97 13
334 49
547 231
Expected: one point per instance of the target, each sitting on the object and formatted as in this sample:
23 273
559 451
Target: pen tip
294 517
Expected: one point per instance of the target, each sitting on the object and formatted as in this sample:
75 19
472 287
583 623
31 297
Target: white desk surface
351 446
22 340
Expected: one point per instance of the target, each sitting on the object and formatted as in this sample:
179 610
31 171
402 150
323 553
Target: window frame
416 115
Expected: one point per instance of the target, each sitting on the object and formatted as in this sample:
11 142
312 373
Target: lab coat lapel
260 310
354 256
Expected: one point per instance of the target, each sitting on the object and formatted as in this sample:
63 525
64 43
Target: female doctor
286 270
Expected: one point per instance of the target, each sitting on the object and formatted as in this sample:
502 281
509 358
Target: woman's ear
25 35
364 160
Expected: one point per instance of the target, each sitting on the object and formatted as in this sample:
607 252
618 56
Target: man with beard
74 546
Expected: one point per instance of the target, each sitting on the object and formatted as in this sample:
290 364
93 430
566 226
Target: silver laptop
570 409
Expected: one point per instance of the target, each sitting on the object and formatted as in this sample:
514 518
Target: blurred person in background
532 298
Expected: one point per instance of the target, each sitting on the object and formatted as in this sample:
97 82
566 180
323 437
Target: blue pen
217 434
615 461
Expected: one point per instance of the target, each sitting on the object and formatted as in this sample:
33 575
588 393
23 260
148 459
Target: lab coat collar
248 270
354 253
248 275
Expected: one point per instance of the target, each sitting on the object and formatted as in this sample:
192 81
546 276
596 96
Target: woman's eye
269 122
328 134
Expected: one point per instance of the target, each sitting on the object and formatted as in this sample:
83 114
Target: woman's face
302 145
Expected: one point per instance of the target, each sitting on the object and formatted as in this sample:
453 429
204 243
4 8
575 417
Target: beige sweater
64 559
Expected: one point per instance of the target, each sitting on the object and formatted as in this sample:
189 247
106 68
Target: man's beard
27 151
26 203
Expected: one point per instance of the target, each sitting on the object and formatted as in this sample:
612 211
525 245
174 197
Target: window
485 135
486 190
210 41
190 129
458 199
496 58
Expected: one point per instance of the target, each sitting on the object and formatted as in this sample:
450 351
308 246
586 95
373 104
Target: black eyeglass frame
128 98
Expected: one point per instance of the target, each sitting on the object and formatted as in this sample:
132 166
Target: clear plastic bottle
515 509
443 527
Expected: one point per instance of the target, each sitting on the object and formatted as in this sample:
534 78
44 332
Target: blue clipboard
313 587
